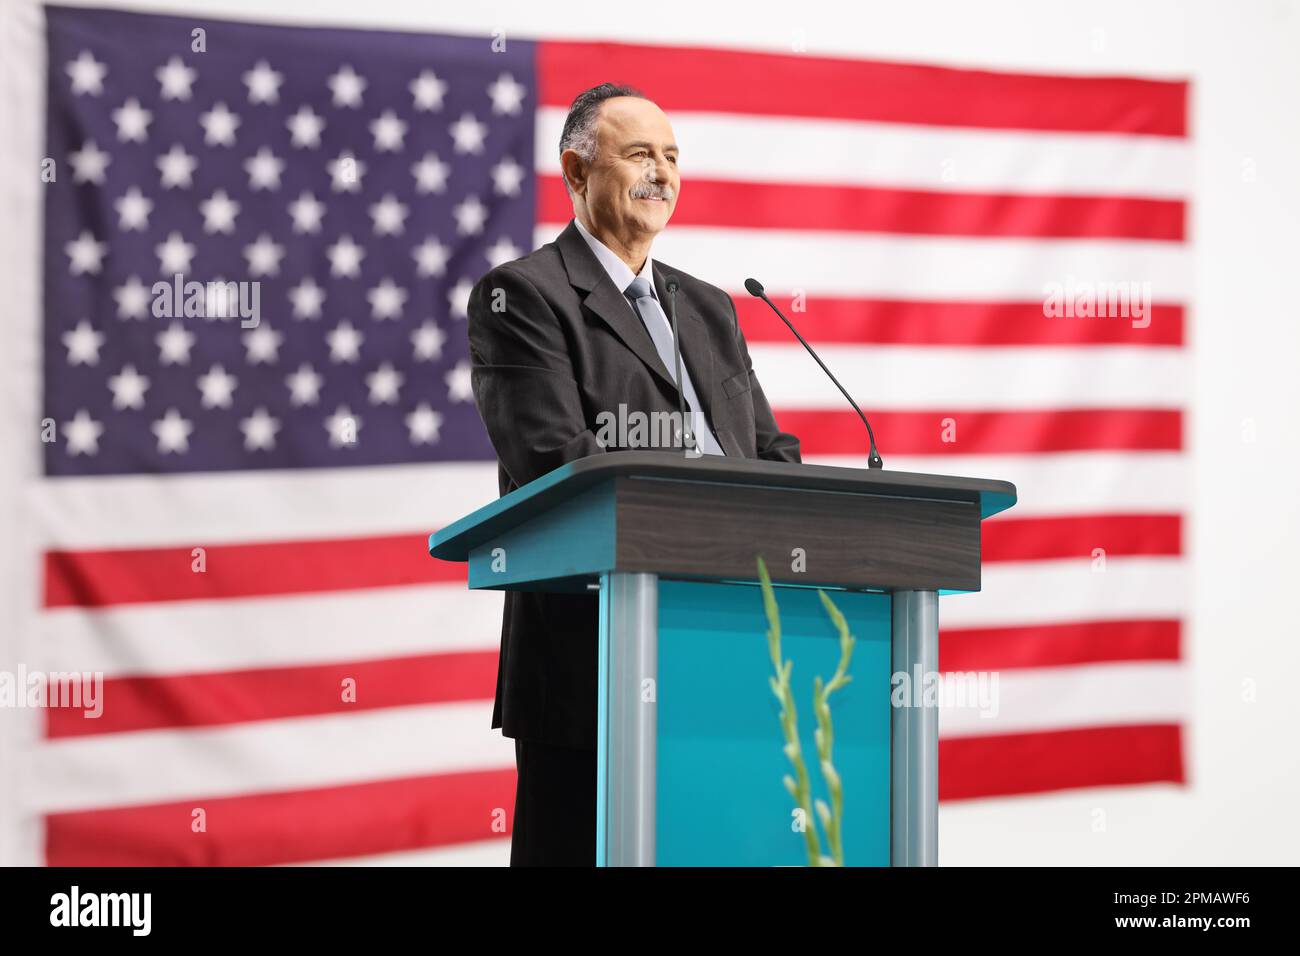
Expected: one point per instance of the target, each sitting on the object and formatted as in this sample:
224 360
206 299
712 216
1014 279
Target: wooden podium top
714 475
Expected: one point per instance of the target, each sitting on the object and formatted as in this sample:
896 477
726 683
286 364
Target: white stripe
206 636
146 510
1082 695
149 510
948 379
1085 482
1039 592
915 267
300 753
786 149
480 853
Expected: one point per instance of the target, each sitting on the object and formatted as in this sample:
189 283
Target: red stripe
905 322
748 205
207 700
1077 536
1058 645
775 84
290 827
826 432
1059 760
136 575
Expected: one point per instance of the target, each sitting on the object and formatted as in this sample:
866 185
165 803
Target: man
558 337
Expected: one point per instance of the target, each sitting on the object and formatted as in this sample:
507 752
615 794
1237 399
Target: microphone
755 288
688 438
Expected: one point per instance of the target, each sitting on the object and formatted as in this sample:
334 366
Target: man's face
631 187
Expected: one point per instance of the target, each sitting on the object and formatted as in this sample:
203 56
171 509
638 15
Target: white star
86 253
304 386
264 256
430 174
259 430
88 163
219 213
220 301
83 344
219 125
344 427
468 133
174 255
507 95
132 121
264 170
87 74
459 388
263 83
305 128
346 172
388 131
345 343
428 91
307 298
133 210
82 434
176 79
427 341
173 432
307 212
132 299
503 250
386 300
458 298
128 388
177 167
218 387
430 257
470 215
262 345
389 216
384 383
507 176
423 424
345 258
347 87
174 345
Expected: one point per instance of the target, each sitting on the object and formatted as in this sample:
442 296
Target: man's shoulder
702 293
539 267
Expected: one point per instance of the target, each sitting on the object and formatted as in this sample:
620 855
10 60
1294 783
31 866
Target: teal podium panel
689 750
720 799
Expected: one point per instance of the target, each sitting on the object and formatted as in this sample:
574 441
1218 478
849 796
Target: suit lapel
605 300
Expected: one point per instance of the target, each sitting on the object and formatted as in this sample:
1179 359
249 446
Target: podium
690 753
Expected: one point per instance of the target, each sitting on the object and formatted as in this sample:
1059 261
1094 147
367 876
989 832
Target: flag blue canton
363 181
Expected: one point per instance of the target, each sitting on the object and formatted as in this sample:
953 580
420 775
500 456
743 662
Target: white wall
1243 759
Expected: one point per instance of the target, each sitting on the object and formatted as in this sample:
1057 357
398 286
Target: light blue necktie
661 333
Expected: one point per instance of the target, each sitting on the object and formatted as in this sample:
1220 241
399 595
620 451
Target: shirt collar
617 269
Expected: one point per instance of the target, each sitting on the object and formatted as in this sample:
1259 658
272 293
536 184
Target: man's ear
575 171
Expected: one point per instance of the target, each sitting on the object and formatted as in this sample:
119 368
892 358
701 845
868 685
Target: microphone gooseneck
688 436
755 288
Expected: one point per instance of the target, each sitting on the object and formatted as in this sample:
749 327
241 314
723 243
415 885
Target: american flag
231 520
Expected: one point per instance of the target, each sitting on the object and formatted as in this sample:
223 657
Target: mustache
649 190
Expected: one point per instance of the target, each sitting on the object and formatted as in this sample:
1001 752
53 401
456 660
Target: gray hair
579 133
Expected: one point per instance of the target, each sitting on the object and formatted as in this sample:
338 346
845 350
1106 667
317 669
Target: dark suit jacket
563 345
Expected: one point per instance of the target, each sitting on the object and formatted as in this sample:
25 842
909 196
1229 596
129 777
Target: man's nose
656 170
